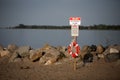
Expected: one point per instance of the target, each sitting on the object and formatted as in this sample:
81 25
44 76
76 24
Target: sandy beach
98 70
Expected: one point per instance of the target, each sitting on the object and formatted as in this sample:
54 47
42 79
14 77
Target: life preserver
77 49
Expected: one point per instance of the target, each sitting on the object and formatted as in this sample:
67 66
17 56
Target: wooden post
75 38
74 22
74 62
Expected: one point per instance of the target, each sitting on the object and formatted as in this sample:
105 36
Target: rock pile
49 54
46 55
110 54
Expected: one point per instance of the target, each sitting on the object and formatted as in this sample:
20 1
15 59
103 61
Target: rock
107 51
35 54
23 51
17 60
43 60
51 61
51 50
12 47
62 48
88 57
85 48
1 47
113 50
82 53
50 53
93 48
4 53
112 57
26 59
115 47
100 56
67 55
100 49
46 46
13 57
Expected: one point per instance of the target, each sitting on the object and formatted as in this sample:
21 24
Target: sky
57 12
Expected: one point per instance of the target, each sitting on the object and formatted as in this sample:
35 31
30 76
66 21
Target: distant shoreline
94 27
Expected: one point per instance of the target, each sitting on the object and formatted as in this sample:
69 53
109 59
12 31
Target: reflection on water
37 38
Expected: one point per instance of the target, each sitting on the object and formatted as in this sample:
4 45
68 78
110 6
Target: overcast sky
57 12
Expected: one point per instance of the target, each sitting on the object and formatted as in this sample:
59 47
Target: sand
26 70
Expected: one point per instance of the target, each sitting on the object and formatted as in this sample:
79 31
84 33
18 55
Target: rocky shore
33 60
49 54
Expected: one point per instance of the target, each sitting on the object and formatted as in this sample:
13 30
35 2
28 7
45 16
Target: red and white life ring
77 49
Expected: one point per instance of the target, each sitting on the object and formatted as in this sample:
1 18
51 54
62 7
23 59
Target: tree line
96 27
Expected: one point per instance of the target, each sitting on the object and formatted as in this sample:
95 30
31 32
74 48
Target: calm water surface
36 38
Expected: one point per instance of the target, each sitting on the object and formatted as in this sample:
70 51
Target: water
36 38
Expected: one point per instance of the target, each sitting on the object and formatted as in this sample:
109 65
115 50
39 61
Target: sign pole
74 22
74 59
74 38
75 64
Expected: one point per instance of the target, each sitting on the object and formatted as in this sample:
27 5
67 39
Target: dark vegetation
93 27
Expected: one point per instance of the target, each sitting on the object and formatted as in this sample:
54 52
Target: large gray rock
62 48
35 54
84 50
93 48
17 60
23 51
112 53
51 61
12 47
115 47
13 57
51 55
52 51
112 49
100 49
4 53
63 51
67 55
112 57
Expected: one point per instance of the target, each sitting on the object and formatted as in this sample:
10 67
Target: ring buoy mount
74 49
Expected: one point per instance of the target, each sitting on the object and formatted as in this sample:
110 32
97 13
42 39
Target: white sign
74 30
75 21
